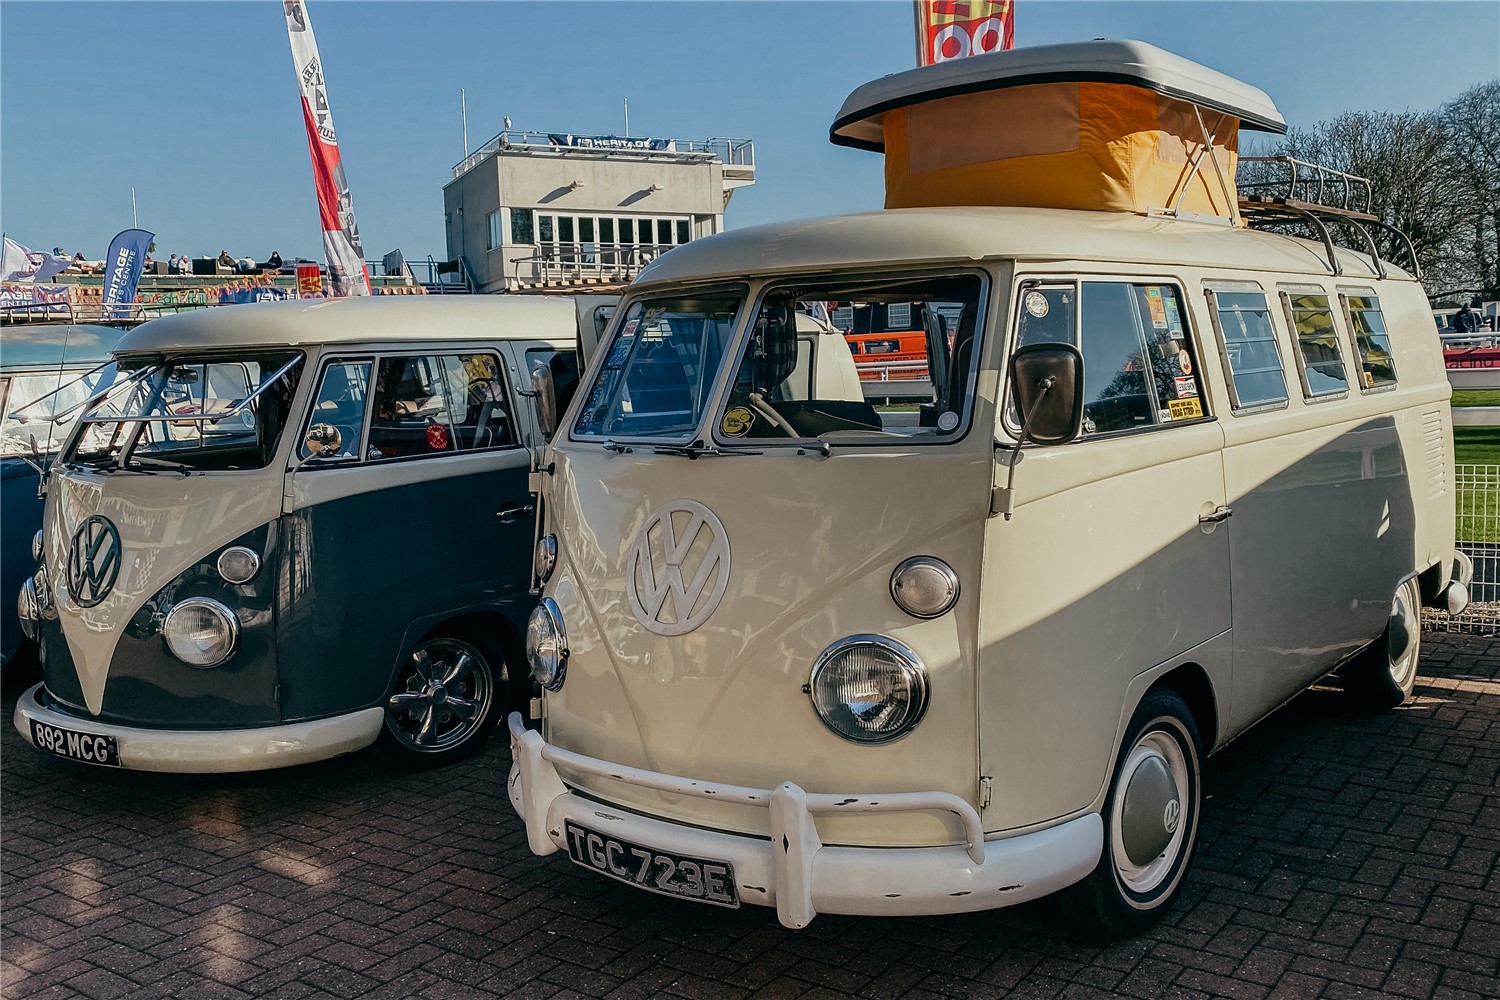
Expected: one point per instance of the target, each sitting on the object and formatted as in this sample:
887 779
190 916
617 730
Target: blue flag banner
122 271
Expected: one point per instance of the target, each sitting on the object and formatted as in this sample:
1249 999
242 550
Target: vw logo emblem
93 561
682 552
1172 816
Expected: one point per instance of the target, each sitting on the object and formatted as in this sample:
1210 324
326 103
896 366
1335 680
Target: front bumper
793 870
217 750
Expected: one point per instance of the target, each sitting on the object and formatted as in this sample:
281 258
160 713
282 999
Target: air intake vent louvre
1434 445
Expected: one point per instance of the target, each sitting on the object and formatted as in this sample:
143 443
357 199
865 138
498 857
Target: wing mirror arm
1046 383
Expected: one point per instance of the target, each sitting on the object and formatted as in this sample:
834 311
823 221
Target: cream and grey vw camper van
813 653
288 531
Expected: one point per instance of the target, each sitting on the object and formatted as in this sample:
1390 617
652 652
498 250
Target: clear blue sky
195 104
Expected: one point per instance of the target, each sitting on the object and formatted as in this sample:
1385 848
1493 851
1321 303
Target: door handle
514 511
1220 514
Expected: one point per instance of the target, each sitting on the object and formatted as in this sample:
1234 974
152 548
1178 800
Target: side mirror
546 397
323 440
1046 381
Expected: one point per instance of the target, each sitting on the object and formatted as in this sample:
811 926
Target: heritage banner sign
956 29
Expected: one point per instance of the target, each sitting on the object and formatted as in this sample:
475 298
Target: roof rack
1319 196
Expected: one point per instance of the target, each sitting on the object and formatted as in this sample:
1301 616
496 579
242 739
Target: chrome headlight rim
945 573
911 666
544 558
238 552
27 610
217 608
551 614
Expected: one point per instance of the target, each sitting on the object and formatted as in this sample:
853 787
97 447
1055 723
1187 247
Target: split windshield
856 360
660 368
38 407
193 413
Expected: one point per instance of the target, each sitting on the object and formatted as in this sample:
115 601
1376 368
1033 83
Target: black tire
446 701
1382 675
1161 761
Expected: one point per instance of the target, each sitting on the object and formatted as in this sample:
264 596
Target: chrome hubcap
442 697
1149 822
1405 638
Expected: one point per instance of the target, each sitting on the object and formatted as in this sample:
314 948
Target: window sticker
1186 386
948 421
1158 310
1174 318
1184 362
1163 416
1037 305
736 422
1185 409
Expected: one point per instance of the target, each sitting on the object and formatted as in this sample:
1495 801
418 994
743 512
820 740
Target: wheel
446 701
1382 675
1150 823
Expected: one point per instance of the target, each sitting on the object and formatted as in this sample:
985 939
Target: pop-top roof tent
1117 126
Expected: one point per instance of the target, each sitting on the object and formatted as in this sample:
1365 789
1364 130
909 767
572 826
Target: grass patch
1476 445
1476 397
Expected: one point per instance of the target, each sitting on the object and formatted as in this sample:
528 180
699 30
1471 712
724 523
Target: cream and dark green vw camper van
810 652
292 530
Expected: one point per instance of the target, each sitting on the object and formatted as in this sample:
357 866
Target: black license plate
91 748
702 879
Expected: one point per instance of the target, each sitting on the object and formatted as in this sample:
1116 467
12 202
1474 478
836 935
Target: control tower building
558 212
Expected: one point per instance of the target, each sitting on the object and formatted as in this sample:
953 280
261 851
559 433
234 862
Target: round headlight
201 632
547 645
26 609
238 564
36 546
924 586
544 558
869 689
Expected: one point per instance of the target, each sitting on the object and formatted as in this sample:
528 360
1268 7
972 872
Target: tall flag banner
21 263
956 29
346 258
122 272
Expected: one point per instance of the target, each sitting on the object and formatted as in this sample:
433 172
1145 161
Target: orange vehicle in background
887 340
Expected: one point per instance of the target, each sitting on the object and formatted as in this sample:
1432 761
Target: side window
1138 364
1310 318
1248 342
1372 344
428 405
340 404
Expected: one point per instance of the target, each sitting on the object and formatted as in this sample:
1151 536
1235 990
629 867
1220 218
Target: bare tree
1472 121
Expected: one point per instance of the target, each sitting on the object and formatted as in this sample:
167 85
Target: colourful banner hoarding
122 272
309 282
29 297
346 258
955 29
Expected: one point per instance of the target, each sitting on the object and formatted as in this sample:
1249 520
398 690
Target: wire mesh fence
1477 489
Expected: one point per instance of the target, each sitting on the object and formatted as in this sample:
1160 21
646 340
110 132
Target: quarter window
1311 320
341 405
1248 341
1372 344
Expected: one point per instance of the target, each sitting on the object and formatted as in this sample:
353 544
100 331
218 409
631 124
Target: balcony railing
585 263
731 152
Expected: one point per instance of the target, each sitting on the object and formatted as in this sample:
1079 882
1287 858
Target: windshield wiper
133 466
698 448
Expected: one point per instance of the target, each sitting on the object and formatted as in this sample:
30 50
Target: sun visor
1109 126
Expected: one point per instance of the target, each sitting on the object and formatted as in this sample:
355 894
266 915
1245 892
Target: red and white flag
346 258
954 29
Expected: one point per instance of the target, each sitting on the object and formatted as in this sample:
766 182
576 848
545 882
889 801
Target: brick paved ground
1341 857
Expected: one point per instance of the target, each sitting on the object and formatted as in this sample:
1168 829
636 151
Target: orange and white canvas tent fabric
1104 125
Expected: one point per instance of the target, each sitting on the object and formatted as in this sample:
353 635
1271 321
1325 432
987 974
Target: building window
522 229
494 226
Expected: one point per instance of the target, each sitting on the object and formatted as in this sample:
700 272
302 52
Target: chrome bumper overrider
793 870
216 750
